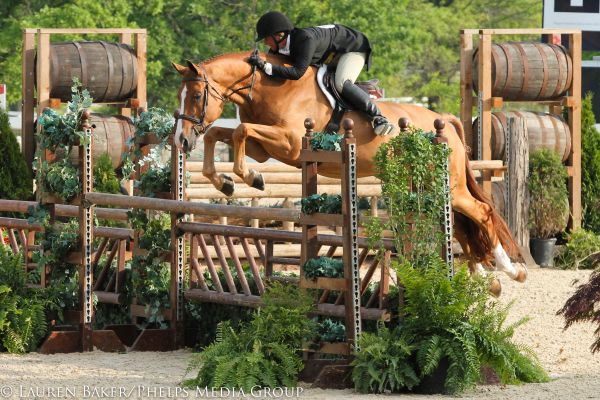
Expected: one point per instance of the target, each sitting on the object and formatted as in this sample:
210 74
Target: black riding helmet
271 23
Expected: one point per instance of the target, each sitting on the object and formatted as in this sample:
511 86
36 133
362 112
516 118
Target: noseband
199 127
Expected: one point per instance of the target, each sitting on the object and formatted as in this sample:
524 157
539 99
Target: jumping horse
272 113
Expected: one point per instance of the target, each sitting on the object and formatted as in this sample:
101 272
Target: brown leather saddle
341 107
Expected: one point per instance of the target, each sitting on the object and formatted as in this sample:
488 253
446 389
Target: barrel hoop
561 70
556 136
111 65
134 62
83 62
525 70
122 70
495 60
501 118
540 49
569 67
508 69
543 131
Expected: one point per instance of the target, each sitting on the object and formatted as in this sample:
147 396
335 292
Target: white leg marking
179 129
503 262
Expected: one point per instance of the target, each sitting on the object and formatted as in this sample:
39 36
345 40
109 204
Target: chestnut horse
272 126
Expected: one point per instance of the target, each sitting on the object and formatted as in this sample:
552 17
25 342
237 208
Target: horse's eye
197 96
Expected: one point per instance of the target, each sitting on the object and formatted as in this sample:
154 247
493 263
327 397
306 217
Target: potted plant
548 204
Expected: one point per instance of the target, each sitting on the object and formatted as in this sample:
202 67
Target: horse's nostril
184 144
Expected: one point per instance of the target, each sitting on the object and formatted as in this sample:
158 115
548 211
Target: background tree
416 43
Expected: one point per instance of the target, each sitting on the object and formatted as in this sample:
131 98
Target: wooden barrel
107 70
528 70
499 197
110 136
545 131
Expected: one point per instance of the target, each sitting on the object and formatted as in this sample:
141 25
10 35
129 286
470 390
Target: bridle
199 127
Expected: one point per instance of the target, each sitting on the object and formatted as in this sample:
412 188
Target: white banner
572 14
3 96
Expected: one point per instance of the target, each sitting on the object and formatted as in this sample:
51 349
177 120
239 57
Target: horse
272 113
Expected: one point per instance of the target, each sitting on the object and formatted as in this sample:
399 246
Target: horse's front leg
273 139
221 182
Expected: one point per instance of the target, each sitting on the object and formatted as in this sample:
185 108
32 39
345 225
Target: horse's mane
241 55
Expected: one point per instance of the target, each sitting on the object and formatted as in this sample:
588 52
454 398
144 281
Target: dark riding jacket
321 45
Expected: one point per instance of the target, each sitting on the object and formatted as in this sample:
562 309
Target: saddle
325 78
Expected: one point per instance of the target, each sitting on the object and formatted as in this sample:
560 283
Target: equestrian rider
327 44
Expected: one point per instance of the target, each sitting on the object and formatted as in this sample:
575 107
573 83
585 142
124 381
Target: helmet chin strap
278 42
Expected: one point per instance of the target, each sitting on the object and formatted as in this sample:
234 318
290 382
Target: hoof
257 181
521 275
228 185
495 288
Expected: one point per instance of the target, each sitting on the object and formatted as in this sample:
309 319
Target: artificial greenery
60 178
446 320
590 166
59 131
326 141
330 331
155 180
322 203
323 267
584 306
413 173
548 196
264 353
154 121
150 273
582 250
22 318
105 178
15 177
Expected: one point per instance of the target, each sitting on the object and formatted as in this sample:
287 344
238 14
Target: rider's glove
256 61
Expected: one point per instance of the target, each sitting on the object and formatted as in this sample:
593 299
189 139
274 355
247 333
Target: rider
328 44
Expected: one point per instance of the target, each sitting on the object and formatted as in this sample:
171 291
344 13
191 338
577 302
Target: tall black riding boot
361 101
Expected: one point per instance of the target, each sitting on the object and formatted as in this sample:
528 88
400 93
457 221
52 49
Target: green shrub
590 167
22 318
322 203
548 196
265 351
581 250
60 178
105 178
445 319
326 141
15 177
323 267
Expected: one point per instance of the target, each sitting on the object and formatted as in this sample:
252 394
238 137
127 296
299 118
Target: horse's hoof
228 185
521 275
257 182
495 287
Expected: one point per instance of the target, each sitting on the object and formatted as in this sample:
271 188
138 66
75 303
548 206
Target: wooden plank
43 73
324 283
485 117
283 177
321 156
85 31
528 31
575 128
140 52
466 83
28 102
275 191
322 219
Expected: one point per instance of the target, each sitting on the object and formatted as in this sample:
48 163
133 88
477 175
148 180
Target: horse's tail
482 246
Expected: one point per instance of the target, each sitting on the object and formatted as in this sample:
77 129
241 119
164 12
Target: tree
15 179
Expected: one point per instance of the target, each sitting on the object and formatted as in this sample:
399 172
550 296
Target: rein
199 127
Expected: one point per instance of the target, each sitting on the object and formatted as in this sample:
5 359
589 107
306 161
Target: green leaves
265 351
322 203
323 267
60 178
326 141
156 121
413 172
548 195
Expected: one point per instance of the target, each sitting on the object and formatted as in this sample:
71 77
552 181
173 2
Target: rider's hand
256 61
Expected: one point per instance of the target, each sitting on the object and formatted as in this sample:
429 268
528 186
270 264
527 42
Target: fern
265 351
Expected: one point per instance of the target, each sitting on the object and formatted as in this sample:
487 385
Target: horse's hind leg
475 268
481 214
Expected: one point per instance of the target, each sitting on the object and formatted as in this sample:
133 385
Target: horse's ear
180 68
193 67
